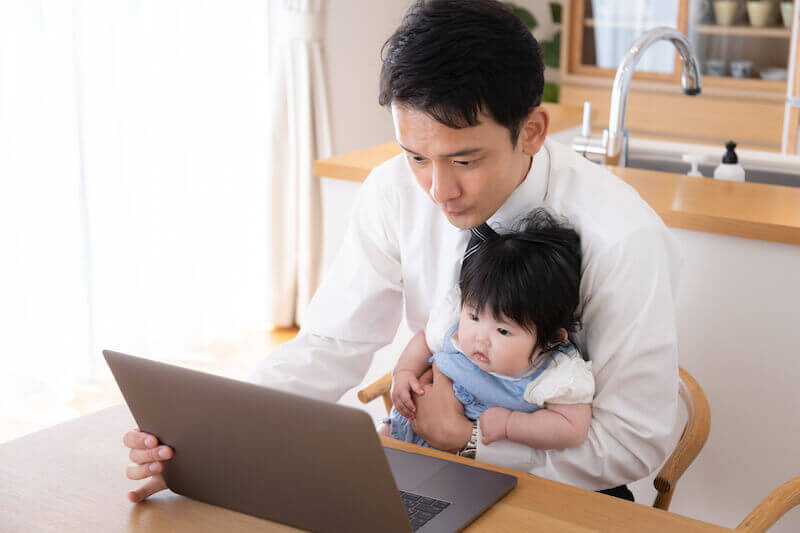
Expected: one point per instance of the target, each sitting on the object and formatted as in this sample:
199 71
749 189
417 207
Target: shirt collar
527 196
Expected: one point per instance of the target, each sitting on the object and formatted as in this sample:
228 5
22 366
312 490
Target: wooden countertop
70 478
749 210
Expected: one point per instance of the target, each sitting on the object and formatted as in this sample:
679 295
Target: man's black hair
452 59
531 275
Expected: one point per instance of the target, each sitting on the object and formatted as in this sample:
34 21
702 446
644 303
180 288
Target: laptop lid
287 458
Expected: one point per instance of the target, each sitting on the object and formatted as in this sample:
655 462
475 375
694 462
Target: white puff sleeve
568 380
442 317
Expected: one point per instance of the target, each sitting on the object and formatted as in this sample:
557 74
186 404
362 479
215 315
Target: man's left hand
440 416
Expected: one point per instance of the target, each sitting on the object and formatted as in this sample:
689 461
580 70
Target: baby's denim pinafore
476 389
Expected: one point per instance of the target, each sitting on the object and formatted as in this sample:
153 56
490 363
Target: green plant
551 50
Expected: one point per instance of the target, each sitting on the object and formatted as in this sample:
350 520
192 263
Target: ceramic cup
787 10
741 69
759 12
716 67
774 74
725 11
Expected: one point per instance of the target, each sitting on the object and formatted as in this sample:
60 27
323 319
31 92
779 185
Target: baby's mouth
480 357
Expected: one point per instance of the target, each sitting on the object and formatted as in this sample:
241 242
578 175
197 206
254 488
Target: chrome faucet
614 144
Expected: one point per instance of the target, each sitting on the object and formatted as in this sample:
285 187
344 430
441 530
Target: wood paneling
699 118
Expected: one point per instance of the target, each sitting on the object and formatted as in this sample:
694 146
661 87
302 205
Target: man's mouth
455 212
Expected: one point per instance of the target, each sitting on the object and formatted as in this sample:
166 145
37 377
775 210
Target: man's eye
464 163
503 331
417 159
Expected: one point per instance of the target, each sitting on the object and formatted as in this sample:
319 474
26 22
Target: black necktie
479 234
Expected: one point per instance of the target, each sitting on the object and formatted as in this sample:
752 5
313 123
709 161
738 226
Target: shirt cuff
504 453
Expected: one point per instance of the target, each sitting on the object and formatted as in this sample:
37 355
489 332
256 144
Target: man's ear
534 131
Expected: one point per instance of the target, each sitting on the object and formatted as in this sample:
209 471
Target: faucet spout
616 135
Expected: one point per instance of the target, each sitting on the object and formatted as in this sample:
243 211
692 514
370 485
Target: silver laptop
307 463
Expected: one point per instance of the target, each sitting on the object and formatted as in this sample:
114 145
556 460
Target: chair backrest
691 442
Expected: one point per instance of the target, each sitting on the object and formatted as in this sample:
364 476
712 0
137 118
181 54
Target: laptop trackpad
410 470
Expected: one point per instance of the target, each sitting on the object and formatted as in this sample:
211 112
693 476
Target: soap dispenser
694 160
730 169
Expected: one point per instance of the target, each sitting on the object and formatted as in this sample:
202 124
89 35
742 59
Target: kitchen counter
749 210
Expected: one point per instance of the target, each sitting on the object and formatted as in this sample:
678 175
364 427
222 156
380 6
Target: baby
506 348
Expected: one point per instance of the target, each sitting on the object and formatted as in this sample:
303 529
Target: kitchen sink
665 156
754 173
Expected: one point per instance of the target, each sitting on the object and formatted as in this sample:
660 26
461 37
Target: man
464 80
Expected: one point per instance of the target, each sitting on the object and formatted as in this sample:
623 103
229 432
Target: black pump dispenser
730 157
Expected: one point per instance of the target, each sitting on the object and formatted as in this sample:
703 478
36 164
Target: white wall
738 326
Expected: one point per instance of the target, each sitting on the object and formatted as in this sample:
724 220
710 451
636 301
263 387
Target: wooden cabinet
748 69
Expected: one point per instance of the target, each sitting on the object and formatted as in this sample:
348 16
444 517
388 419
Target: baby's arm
410 366
555 427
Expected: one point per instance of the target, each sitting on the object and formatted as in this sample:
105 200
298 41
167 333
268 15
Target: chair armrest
381 387
772 507
691 442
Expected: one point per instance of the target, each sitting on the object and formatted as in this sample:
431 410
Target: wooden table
71 478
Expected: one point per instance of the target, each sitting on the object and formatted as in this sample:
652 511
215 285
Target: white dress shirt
400 249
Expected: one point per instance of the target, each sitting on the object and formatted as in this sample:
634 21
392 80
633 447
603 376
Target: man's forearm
315 366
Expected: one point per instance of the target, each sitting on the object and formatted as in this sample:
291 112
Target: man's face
467 172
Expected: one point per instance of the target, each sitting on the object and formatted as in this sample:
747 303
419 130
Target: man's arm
630 336
354 313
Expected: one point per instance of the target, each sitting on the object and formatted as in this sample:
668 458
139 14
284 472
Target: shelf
593 23
774 32
754 84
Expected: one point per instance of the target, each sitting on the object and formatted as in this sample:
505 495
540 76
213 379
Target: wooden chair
691 442
772 507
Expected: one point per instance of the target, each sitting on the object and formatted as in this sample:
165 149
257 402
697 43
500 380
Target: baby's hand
493 424
403 382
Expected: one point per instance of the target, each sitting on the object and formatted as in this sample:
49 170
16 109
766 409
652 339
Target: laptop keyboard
421 509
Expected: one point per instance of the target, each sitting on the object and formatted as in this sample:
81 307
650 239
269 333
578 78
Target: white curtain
617 23
133 191
300 134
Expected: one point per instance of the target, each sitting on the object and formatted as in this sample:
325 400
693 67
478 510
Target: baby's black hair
531 275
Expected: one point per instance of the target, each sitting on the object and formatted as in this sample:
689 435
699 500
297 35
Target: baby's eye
503 332
473 317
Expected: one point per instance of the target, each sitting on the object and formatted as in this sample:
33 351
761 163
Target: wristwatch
471 448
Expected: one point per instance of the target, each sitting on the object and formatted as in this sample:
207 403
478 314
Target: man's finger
416 386
426 378
143 471
409 408
161 453
139 441
437 374
155 484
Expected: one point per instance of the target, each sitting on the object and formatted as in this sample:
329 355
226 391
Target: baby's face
495 345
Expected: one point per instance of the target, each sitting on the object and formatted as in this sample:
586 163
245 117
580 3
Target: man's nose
443 185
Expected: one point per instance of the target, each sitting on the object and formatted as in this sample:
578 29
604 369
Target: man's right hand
148 457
